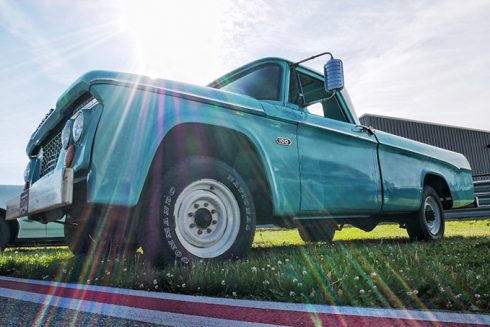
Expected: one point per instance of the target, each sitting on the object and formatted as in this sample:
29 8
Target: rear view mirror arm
310 58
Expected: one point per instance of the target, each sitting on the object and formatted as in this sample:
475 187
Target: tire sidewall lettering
168 228
245 201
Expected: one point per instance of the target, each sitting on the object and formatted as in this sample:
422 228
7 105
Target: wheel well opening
229 146
440 186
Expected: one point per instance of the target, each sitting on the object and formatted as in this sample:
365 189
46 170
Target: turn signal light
70 154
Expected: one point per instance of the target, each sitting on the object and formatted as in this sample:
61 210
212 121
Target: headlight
66 135
27 172
77 130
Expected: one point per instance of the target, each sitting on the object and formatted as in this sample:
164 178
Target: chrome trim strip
180 94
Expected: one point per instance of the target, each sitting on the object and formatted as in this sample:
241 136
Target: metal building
473 143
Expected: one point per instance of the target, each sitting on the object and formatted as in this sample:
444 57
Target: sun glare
173 39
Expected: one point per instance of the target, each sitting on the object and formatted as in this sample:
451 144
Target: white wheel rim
432 215
207 218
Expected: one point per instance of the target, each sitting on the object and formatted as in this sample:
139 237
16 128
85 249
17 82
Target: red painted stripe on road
221 311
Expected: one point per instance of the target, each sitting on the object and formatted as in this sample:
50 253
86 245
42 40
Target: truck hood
82 85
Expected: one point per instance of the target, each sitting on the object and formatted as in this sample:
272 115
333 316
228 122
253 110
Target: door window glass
315 97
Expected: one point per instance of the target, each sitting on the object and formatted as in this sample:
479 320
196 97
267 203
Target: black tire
316 230
184 210
4 232
428 222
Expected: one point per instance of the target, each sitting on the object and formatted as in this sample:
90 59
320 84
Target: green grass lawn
377 269
462 228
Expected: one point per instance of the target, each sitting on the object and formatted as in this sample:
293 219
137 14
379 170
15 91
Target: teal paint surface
404 165
329 168
117 177
339 167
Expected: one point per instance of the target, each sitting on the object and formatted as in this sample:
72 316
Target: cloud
413 59
432 68
418 59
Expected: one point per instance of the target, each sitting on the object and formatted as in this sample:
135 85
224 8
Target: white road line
437 316
119 311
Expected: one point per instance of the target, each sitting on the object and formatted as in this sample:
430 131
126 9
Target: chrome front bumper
51 192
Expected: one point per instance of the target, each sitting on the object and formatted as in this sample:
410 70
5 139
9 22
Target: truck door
338 160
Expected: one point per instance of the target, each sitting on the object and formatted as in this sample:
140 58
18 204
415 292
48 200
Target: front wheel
428 222
200 209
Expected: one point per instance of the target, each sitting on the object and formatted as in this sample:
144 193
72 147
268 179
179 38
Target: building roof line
367 115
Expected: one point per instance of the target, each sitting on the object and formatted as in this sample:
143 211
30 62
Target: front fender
135 121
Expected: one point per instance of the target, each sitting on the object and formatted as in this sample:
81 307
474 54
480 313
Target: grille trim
50 148
49 154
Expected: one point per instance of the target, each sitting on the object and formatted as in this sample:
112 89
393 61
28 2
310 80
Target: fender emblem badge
283 141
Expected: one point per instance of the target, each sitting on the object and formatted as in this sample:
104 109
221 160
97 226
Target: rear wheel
316 230
428 222
200 209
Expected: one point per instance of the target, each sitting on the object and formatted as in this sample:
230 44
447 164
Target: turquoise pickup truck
186 172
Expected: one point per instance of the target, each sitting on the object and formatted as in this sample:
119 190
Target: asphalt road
22 303
16 313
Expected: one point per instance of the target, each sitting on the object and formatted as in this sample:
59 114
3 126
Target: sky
418 59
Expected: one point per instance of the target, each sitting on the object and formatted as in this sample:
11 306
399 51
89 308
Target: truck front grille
50 153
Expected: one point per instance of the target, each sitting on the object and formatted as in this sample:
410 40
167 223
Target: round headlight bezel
66 135
27 172
78 127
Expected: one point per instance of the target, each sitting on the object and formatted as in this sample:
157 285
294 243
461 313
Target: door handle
364 129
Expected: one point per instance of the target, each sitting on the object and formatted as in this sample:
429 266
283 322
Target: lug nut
196 205
199 232
192 225
215 222
190 214
213 211
206 204
208 230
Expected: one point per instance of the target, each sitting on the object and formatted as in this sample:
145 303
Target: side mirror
334 75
